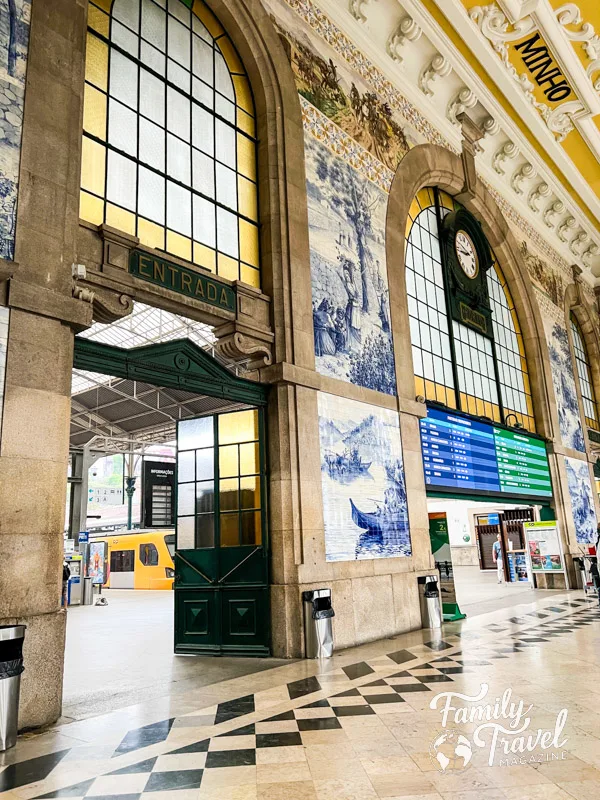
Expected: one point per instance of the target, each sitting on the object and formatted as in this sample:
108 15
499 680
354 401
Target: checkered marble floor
348 728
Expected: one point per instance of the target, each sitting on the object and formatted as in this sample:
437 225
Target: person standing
498 558
65 585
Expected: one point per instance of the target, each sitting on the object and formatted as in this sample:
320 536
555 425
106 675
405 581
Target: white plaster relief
578 242
463 101
438 67
569 14
567 225
407 31
553 211
507 151
536 194
524 173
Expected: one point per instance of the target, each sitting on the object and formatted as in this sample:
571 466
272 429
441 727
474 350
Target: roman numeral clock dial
466 254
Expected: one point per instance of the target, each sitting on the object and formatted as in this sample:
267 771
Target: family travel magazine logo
503 729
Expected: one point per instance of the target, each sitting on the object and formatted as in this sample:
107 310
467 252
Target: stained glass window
169 148
584 373
453 364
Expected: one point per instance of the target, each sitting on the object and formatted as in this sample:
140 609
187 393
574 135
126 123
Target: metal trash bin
429 600
11 667
88 592
318 631
579 564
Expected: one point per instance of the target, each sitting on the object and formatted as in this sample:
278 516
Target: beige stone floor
348 728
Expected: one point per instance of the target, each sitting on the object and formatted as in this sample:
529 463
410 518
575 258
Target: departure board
472 457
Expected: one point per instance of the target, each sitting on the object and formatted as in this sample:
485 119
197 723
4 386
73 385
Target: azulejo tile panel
351 311
582 500
14 39
364 490
563 378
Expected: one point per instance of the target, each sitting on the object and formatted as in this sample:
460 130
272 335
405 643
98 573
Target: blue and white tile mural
14 38
364 492
582 500
351 312
569 418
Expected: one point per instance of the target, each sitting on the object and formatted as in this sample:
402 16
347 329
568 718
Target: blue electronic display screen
461 454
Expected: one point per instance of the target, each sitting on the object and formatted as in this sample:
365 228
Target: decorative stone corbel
490 126
248 337
464 100
524 173
356 9
507 151
83 293
471 135
108 305
541 190
554 210
567 225
438 67
589 254
578 242
407 31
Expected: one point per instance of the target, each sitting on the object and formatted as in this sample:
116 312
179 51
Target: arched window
169 148
584 373
454 365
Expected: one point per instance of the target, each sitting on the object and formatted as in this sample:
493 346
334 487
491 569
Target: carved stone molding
524 173
567 225
490 126
407 31
578 242
471 135
463 101
438 67
589 254
553 211
108 305
238 346
356 9
536 194
569 14
507 151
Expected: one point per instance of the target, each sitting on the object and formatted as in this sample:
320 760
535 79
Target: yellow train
139 559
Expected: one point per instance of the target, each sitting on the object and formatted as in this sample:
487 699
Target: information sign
544 548
472 457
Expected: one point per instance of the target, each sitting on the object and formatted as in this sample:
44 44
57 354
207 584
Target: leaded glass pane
152 144
151 203
154 24
121 181
123 79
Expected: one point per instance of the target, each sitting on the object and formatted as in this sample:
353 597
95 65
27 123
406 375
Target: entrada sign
181 279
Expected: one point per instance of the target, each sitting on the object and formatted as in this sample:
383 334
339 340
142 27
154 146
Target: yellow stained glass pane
419 386
91 208
98 20
105 4
228 460
207 18
249 459
94 112
205 257
250 276
230 531
238 427
179 245
247 203
96 62
246 155
245 122
414 209
93 166
243 95
440 393
446 201
471 404
120 219
251 527
250 492
230 55
425 198
228 494
249 243
151 234
451 399
228 268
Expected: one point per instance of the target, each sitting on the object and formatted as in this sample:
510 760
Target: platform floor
122 654
478 592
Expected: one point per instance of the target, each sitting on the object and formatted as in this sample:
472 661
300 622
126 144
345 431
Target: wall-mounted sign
543 68
442 554
95 562
181 279
463 455
543 545
158 494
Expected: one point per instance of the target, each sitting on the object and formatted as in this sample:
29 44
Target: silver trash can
11 667
88 592
429 600
318 630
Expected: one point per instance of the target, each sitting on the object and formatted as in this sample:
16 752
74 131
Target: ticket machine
75 581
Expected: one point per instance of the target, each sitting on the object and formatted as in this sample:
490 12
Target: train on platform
139 559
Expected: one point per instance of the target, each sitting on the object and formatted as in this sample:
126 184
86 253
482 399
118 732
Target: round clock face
466 254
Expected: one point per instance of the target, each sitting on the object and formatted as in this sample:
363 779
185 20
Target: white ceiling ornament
536 194
356 9
589 254
438 67
507 151
569 14
490 126
407 31
524 173
567 225
553 211
578 242
464 100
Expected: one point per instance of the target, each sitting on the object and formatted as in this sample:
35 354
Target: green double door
221 566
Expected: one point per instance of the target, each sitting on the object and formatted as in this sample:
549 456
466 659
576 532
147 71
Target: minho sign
542 67
181 279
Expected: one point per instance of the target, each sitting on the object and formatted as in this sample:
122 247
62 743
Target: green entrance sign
181 279
440 547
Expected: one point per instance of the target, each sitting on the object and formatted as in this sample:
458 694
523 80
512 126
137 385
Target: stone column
43 317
